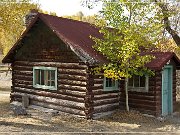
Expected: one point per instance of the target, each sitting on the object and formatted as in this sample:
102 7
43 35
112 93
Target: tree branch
172 32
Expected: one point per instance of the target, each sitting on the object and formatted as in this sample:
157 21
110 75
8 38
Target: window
45 77
110 84
138 83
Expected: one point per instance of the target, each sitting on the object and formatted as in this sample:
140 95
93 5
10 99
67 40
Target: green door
167 106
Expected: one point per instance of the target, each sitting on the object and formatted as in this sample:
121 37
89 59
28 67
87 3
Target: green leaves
129 29
12 15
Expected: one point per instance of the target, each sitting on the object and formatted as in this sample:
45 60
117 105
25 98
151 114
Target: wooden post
25 100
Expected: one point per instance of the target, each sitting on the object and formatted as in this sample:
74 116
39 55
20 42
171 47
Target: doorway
167 92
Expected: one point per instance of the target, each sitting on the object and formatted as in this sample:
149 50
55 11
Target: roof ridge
73 20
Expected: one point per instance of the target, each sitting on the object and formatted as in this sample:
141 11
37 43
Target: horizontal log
96 87
23 68
72 93
60 108
41 57
73 83
72 77
159 83
137 96
23 86
158 78
98 81
101 91
149 93
55 101
152 82
70 87
73 72
57 64
151 88
158 88
22 82
49 94
105 101
106 108
106 96
23 77
140 106
139 101
26 73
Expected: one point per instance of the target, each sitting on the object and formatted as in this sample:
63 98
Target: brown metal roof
76 34
161 58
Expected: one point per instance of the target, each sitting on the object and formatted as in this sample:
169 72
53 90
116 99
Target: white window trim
43 86
116 87
141 89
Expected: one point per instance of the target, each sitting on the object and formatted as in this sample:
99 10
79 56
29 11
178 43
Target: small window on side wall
45 77
138 83
110 84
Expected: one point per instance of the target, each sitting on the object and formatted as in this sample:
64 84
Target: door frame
170 91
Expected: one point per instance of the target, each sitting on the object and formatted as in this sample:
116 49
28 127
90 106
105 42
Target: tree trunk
168 27
126 91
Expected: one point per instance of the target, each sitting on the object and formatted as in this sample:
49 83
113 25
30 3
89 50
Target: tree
130 28
165 9
169 9
12 15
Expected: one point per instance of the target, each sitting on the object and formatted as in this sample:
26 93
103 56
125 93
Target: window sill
45 87
138 89
110 89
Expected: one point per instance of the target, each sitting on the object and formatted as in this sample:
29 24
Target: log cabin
51 63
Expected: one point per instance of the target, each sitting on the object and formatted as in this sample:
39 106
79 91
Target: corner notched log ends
17 108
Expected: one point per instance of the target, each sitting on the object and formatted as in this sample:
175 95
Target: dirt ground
42 123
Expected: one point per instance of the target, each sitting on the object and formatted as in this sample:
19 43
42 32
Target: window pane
107 82
37 76
113 83
46 77
42 77
130 81
49 75
48 83
142 81
110 82
52 74
52 83
136 81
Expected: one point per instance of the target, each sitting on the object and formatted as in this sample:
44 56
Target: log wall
42 44
148 102
81 93
71 92
104 102
142 101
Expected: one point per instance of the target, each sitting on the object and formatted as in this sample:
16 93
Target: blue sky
66 7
